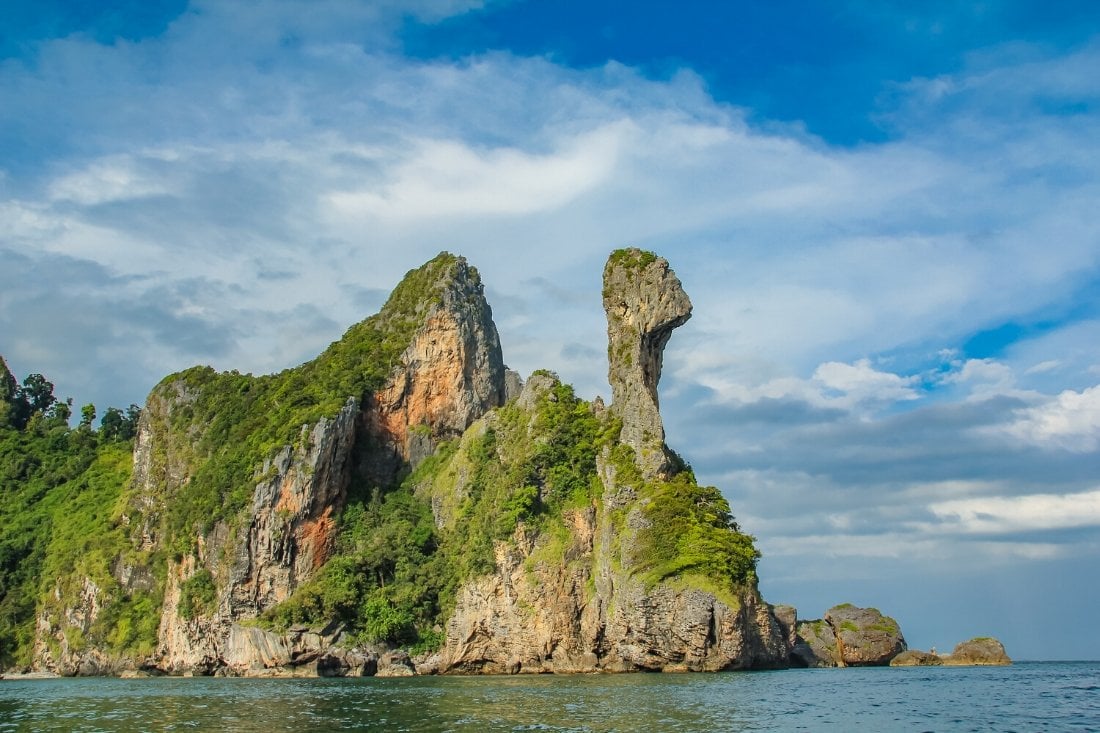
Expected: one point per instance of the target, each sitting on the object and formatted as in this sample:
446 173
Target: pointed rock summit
451 372
644 302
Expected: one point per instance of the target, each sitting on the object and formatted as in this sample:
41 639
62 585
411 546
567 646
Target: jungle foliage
59 493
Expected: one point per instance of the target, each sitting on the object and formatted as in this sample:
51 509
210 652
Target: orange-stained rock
450 374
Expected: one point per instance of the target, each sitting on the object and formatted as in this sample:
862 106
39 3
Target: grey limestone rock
513 384
848 636
787 618
395 663
644 302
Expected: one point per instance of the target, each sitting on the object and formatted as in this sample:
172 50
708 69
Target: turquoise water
1025 697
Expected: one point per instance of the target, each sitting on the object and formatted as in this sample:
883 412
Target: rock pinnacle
644 302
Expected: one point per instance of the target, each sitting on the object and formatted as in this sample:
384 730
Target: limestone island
403 504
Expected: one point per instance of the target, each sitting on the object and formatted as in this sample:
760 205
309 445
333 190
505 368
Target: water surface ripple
1026 697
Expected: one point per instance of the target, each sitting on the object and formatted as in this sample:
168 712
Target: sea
1026 697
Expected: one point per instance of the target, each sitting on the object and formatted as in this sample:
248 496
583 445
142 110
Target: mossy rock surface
815 645
865 636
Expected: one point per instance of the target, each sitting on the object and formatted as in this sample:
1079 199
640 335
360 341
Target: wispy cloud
447 179
1004 515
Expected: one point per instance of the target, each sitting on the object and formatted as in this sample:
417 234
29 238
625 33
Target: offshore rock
864 636
982 651
848 636
644 302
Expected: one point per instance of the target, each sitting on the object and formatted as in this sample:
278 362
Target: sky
885 214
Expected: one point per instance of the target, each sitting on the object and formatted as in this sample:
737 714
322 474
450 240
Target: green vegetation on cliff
534 466
397 572
60 492
383 583
692 532
399 566
89 550
631 258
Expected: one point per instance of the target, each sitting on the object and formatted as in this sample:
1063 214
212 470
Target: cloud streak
1004 515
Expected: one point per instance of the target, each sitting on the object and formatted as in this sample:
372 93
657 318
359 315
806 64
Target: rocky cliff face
595 592
231 566
52 648
536 533
285 538
814 645
449 375
571 600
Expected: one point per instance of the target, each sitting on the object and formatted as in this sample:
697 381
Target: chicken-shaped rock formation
644 302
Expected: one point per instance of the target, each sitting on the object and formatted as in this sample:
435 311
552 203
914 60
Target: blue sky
885 214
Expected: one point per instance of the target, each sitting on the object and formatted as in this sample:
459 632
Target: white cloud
449 179
1070 421
115 178
857 387
984 378
1016 514
840 545
1074 346
860 383
1043 367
